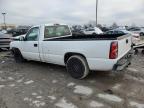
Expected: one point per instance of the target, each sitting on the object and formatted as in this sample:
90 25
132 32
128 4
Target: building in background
8 26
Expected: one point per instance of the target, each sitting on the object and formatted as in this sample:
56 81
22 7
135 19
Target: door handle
35 45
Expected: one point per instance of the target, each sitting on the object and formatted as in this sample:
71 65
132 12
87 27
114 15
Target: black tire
77 66
141 34
142 52
18 56
136 51
94 34
8 48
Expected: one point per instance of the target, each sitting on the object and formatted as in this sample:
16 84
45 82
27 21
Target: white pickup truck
54 43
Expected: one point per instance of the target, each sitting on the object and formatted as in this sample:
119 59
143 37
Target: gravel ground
41 85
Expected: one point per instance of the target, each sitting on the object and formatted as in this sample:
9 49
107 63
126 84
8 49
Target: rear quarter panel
54 51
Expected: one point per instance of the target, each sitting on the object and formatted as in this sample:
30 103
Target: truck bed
81 37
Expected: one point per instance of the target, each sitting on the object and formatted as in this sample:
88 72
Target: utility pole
4 14
96 13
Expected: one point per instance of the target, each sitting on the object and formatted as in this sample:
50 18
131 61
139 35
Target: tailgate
124 45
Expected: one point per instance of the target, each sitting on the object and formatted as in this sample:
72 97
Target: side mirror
22 38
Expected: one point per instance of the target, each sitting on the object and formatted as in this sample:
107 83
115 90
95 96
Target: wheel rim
76 68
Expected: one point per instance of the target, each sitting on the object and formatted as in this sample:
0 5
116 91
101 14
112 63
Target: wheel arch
14 49
69 54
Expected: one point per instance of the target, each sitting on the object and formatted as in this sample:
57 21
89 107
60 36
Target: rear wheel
77 66
18 56
136 51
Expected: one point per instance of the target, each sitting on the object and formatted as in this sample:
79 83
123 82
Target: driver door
30 45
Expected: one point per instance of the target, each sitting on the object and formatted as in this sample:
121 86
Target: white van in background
92 31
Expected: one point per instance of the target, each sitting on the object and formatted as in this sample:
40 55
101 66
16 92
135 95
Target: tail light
113 50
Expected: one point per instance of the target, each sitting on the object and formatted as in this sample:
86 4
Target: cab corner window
56 31
33 34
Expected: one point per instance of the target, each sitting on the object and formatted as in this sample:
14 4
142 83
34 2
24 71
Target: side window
56 31
62 31
49 32
91 29
33 34
110 32
120 32
115 32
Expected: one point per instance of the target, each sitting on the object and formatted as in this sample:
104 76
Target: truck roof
49 24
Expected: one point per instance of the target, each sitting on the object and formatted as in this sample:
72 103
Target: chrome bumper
123 62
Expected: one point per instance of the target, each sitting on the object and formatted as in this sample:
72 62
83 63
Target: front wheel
77 66
18 56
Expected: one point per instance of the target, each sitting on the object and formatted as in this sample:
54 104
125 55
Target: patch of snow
27 99
10 78
95 104
70 84
12 85
34 94
20 80
64 104
52 97
117 86
35 103
135 104
54 81
2 86
29 82
3 62
110 97
39 97
38 103
83 90
132 69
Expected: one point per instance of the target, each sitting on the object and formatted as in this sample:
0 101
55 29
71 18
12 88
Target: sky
123 12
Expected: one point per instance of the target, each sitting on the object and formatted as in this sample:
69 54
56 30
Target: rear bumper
123 62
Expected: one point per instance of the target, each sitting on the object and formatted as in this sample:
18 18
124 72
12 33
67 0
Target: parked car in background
55 43
135 36
92 31
20 30
138 30
5 40
3 32
17 32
